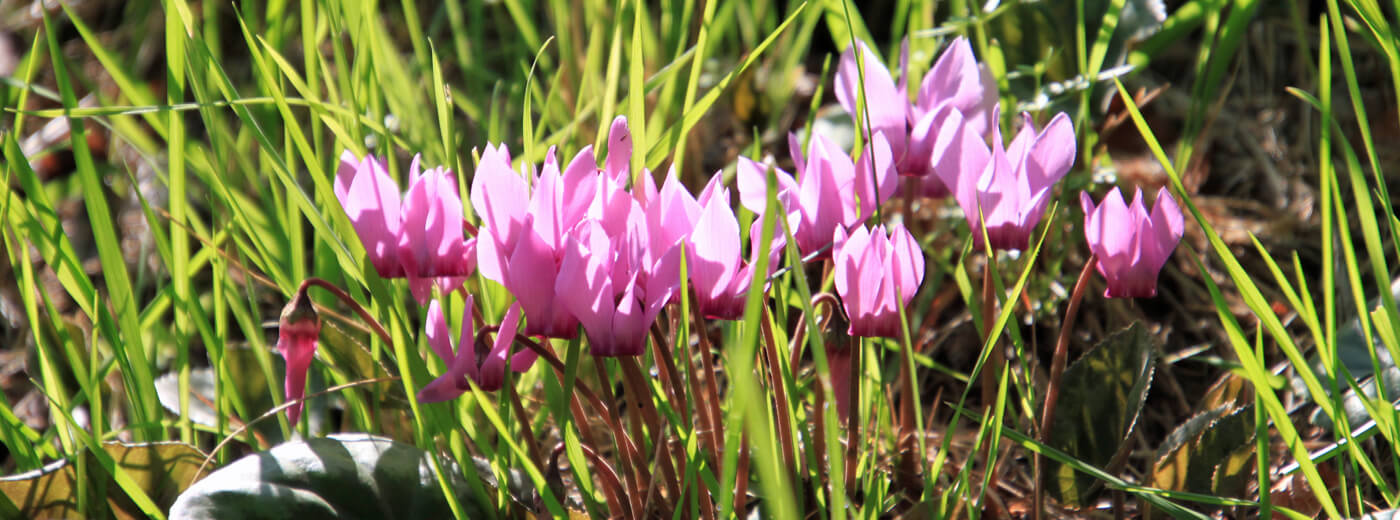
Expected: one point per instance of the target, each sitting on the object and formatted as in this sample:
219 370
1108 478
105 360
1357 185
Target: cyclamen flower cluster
576 246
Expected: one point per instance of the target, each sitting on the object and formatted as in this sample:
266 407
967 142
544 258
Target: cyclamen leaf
1100 400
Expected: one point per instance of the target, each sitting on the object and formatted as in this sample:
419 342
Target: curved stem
354 305
1057 370
612 487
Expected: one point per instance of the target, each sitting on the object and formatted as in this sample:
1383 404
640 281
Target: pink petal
714 248
795 150
585 288
531 278
961 158
432 242
499 196
906 263
886 108
1052 154
493 368
752 177
579 188
619 149
870 197
372 204
345 174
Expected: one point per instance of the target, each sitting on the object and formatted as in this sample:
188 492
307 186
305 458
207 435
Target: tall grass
260 99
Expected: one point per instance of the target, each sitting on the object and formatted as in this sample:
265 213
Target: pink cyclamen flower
488 373
1131 245
957 82
833 192
297 331
610 286
523 231
714 256
1008 187
418 236
874 273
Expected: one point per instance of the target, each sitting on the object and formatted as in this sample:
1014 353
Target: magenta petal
499 196
296 341
585 288
866 182
345 174
714 246
795 150
438 335
886 108
532 277
493 368
579 187
907 263
372 204
619 149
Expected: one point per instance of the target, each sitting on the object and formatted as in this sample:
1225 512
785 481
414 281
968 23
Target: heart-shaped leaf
1208 453
341 476
162 470
1101 396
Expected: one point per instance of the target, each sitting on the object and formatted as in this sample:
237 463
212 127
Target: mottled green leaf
1101 397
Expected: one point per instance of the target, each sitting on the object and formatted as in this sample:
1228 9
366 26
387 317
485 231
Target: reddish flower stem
780 398
1057 371
711 387
354 305
612 487
630 458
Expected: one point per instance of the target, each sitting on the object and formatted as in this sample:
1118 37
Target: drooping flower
874 273
488 373
1007 187
833 190
418 236
955 83
297 331
1131 245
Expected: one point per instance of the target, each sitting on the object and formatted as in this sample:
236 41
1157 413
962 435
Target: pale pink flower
875 273
957 82
834 191
1131 245
418 236
1007 187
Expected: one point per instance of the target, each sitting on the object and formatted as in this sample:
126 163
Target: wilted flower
1007 187
833 192
874 273
1131 245
297 331
955 83
418 236
488 373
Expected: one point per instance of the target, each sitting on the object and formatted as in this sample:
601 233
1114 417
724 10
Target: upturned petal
371 201
619 150
886 107
493 368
